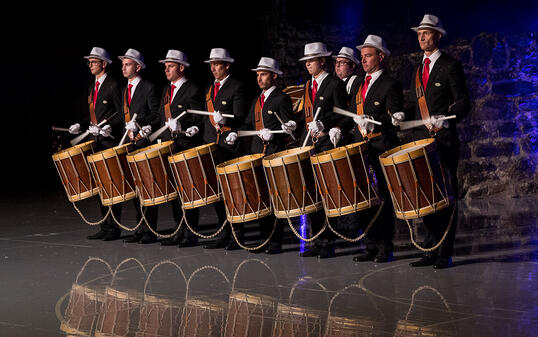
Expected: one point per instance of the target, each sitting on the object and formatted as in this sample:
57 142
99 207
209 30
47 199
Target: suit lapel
321 88
375 86
435 71
180 92
138 92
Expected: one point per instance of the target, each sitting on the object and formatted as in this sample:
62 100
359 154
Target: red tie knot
427 61
367 80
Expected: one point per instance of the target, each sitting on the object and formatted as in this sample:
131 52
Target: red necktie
314 90
216 90
172 88
426 72
129 94
262 100
365 87
95 92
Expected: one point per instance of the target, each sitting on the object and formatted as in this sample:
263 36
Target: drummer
265 108
139 97
179 95
378 97
345 68
104 99
226 95
443 82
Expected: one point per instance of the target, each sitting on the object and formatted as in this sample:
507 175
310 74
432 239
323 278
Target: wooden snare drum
82 310
291 182
418 182
113 175
159 317
203 318
195 175
249 315
244 188
120 313
151 172
344 179
74 171
297 321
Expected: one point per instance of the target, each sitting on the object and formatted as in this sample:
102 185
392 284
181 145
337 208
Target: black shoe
133 238
274 248
216 244
188 242
97 236
148 238
426 260
442 263
232 245
310 252
383 257
326 253
112 235
174 240
368 255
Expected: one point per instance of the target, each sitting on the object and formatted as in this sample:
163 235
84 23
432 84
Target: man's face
314 66
266 79
130 68
220 70
96 65
428 39
371 59
173 71
343 67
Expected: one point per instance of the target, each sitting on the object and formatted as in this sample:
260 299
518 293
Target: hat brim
313 56
440 30
352 59
98 57
224 59
384 50
186 64
272 70
132 58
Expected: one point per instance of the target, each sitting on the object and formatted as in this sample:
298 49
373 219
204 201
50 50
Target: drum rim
202 202
250 216
287 156
159 200
157 150
426 210
428 143
293 309
253 298
73 150
83 195
339 153
213 305
192 153
294 212
349 209
132 294
108 153
119 198
245 163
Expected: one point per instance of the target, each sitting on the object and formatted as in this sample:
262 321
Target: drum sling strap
93 118
360 111
258 120
308 104
209 102
422 105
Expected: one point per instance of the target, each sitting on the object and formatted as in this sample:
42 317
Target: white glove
191 131
106 131
74 129
219 119
173 125
145 131
266 135
94 130
232 137
437 123
315 127
289 127
131 126
362 121
397 117
334 135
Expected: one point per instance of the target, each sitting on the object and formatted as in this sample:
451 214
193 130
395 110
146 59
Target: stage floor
54 282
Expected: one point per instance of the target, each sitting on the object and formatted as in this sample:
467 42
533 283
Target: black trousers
191 215
150 213
109 224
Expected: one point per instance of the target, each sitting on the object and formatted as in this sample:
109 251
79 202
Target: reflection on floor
54 282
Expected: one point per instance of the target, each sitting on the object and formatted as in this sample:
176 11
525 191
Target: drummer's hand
397 117
363 122
131 126
266 135
106 131
334 135
191 131
315 127
94 130
145 131
173 125
289 127
74 129
437 123
231 138
218 118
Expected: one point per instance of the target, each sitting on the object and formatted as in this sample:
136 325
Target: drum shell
203 318
195 175
159 317
82 310
297 321
152 174
249 315
120 313
113 175
417 180
285 172
75 172
344 179
244 188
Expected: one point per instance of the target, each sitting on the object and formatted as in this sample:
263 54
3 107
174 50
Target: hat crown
268 63
346 51
219 53
375 42
315 48
176 54
97 51
134 54
430 19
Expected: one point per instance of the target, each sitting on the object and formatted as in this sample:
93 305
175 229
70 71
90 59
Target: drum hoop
287 156
108 153
338 153
296 310
192 153
427 144
156 151
257 299
243 163
73 151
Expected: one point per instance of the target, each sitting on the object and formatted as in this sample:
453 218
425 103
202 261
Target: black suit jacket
354 86
232 98
145 103
277 102
189 96
385 95
446 94
331 92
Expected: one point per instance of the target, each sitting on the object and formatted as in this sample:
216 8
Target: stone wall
499 137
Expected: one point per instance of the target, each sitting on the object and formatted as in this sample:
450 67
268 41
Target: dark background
45 78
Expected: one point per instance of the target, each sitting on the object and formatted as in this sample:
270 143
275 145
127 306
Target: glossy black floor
54 282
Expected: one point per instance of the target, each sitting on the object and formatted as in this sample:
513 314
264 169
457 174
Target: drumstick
207 113
243 133
126 132
353 115
308 133
294 91
157 133
281 121
413 124
54 128
78 139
